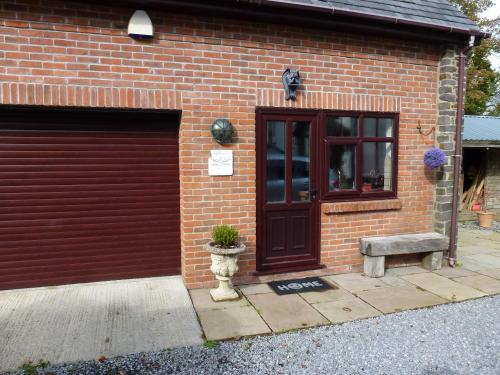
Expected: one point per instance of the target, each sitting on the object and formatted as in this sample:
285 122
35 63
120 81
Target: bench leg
374 266
433 261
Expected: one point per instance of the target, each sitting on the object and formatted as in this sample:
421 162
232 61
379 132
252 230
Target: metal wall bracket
419 127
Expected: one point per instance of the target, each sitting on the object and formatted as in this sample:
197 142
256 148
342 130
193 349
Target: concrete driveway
85 321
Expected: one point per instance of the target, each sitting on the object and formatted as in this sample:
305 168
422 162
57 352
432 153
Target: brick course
59 53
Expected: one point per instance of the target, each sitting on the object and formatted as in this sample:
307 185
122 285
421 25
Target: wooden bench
375 249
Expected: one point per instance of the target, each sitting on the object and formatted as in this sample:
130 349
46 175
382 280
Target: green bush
225 236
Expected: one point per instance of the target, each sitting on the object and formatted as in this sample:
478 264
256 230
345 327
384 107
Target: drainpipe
459 122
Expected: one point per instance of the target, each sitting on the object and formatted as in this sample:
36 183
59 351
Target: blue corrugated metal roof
481 128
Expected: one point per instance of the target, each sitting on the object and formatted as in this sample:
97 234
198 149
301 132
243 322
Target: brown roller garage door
87 196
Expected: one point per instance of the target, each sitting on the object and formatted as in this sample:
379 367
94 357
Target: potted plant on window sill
224 249
485 217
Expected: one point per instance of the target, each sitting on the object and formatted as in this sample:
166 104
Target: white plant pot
224 266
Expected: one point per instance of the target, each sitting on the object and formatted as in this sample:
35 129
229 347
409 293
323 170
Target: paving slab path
356 296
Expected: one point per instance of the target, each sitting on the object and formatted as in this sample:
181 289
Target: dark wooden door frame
298 264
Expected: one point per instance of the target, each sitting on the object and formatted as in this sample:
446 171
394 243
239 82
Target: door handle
312 193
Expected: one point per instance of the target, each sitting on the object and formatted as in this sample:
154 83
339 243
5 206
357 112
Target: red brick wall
62 53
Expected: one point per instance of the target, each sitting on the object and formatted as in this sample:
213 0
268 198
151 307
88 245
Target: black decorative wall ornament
291 81
222 131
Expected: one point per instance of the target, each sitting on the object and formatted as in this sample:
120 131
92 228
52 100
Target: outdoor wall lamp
222 130
291 82
140 25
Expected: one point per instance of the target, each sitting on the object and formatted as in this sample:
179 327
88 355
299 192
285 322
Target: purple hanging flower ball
434 158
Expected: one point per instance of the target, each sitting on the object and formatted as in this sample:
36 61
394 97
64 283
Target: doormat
309 284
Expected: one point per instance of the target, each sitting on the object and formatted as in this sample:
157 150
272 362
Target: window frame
326 141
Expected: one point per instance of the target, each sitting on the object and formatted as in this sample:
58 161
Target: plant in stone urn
224 249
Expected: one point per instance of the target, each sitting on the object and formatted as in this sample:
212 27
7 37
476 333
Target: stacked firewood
474 195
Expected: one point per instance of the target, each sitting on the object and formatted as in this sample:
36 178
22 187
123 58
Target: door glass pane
300 161
378 127
342 127
377 166
370 127
275 161
342 167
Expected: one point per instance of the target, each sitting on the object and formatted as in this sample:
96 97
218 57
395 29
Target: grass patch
210 344
30 368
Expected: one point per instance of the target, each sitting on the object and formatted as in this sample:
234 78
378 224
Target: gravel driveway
460 338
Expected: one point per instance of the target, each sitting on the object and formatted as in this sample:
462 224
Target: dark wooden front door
288 228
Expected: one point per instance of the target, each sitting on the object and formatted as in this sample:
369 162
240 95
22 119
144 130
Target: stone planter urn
224 266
